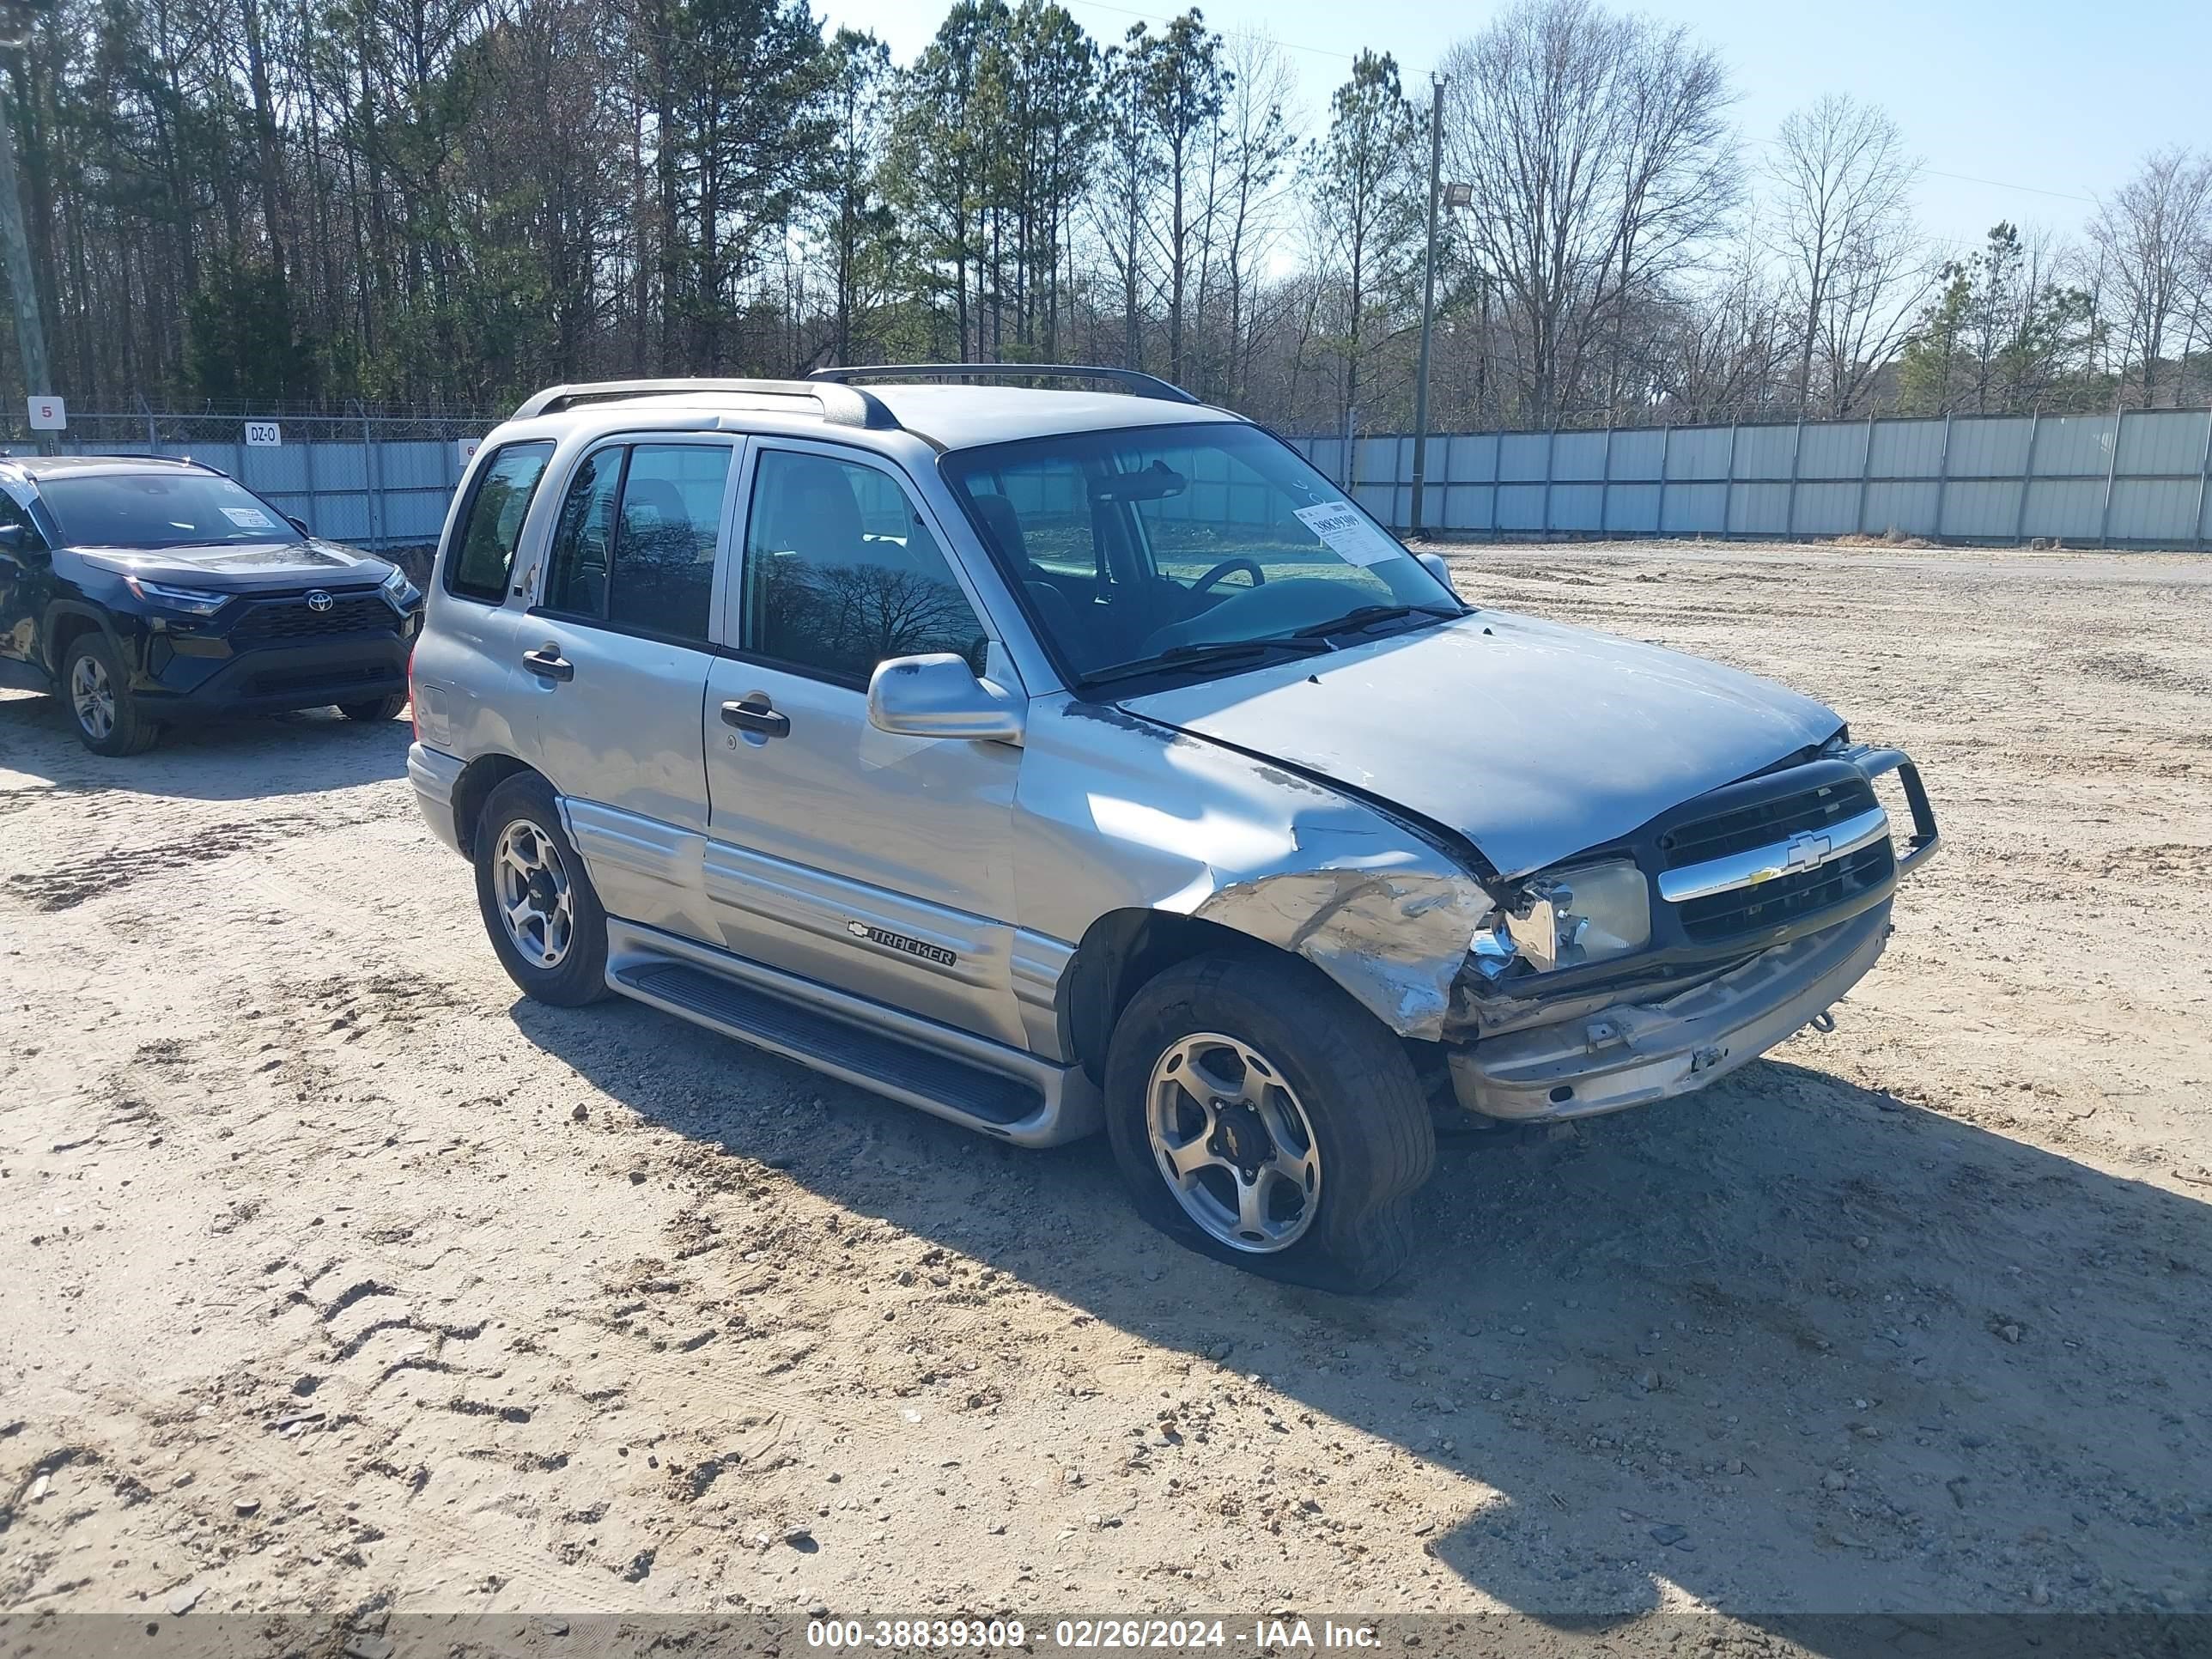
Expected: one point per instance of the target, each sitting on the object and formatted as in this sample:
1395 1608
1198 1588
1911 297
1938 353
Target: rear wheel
384 709
538 904
1263 1118
97 690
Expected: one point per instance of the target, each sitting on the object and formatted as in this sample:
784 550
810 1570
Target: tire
566 966
96 692
384 709
1347 1083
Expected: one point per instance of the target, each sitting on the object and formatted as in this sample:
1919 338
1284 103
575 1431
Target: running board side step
969 1080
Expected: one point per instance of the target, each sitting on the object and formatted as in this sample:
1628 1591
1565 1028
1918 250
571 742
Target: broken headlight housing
1568 919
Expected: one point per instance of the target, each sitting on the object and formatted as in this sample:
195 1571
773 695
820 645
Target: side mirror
17 542
939 695
1435 565
300 525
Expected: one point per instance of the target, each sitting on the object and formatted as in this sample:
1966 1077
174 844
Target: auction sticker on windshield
248 518
1349 532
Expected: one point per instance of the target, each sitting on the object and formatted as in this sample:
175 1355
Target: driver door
877 863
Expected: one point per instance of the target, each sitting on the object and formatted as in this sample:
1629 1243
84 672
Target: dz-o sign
48 414
264 434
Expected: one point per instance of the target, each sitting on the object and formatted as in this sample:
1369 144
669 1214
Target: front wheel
538 904
383 709
106 710
1263 1118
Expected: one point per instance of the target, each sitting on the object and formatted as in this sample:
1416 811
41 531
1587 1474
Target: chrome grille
1764 823
1721 916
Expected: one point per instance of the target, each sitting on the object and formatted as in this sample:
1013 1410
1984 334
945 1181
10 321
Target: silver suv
1055 759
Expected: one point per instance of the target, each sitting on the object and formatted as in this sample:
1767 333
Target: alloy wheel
535 900
1233 1143
92 696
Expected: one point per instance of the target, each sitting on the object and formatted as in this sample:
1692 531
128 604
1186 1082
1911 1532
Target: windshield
1185 543
160 509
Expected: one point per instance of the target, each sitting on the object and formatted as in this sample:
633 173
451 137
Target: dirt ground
335 1276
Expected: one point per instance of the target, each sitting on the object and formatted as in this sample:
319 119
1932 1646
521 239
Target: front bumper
267 654
271 679
1631 1054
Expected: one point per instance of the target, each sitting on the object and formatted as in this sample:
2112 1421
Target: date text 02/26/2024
1141 1635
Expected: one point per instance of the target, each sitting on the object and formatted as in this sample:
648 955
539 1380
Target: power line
1999 183
1154 17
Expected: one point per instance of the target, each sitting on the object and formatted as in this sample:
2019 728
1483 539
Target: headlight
1569 918
401 591
197 600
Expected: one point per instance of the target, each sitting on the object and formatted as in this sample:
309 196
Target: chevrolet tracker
1054 759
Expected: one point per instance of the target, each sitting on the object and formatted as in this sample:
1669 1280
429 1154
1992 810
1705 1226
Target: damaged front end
1657 965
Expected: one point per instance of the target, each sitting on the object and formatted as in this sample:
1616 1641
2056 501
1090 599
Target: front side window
841 571
634 544
481 557
1205 543
172 507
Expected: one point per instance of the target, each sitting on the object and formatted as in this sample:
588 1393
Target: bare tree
1600 161
1259 142
1721 350
1679 178
2153 239
1842 179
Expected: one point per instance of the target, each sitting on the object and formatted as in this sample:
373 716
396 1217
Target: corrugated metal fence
2143 478
374 482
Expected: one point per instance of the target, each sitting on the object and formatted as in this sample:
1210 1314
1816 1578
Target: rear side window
481 562
635 545
671 520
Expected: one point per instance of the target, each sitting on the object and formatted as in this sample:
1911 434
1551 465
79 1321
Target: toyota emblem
319 600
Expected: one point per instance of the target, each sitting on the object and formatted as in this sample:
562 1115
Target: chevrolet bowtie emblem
1805 850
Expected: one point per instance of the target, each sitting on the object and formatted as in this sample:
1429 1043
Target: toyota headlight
196 601
1569 918
400 591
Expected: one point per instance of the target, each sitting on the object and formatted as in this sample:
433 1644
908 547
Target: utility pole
16 245
1428 297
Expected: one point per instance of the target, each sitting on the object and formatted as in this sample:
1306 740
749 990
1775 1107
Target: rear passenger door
615 653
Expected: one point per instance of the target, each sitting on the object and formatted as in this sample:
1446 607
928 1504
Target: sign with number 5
48 414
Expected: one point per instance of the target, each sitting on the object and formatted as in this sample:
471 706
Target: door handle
757 713
548 663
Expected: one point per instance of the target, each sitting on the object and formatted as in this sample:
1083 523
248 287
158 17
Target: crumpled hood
1534 739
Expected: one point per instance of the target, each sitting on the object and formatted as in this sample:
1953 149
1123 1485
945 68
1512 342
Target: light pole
14 243
1459 196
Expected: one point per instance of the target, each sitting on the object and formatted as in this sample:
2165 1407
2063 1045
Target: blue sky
2057 97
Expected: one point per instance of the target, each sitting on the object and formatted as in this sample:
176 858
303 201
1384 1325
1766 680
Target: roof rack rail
840 406
1129 379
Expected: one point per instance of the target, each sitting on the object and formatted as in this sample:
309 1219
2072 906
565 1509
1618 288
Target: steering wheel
1230 567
